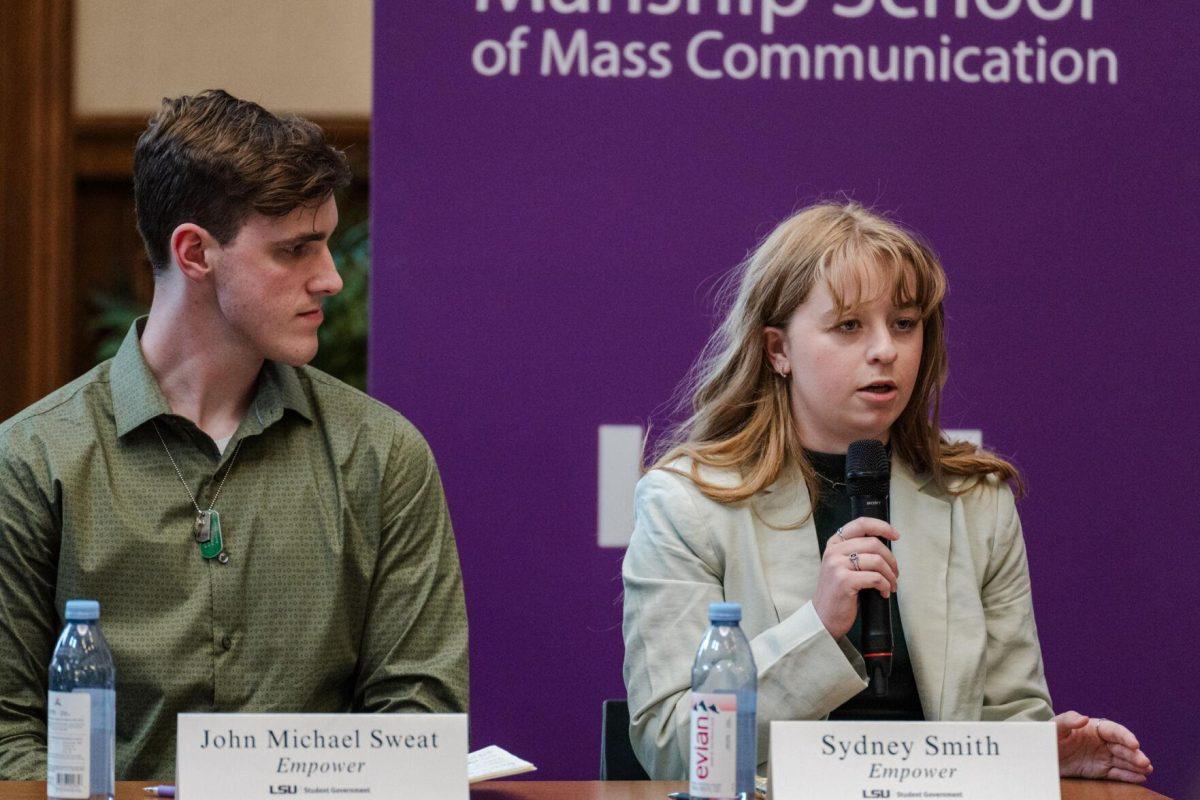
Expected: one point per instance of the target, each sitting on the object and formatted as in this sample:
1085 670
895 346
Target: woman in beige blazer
835 335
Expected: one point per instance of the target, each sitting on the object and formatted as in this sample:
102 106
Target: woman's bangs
928 281
859 273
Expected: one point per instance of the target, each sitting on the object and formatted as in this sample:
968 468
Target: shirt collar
137 399
279 389
135 394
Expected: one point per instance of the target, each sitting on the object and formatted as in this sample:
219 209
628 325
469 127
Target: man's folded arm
29 542
413 655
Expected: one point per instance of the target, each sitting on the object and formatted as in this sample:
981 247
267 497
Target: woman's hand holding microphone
855 559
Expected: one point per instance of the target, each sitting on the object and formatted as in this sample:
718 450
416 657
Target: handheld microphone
868 474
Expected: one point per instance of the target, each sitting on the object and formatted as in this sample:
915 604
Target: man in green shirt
260 536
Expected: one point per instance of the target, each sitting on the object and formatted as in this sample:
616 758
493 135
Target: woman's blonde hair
740 415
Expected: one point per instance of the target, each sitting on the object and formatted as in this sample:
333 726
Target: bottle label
712 769
68 756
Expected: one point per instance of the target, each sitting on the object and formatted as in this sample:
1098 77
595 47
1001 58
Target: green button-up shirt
342 590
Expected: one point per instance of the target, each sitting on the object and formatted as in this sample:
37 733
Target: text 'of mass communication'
564 47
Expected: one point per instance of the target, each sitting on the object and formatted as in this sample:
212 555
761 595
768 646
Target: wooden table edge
520 789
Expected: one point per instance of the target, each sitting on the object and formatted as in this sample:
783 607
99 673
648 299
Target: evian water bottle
81 709
723 745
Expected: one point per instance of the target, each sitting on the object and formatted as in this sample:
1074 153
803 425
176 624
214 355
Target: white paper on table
494 762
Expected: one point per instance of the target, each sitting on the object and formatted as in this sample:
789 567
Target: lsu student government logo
284 788
877 793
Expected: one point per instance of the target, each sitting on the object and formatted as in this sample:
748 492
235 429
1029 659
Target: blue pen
160 791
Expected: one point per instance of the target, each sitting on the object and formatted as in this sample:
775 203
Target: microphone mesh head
867 458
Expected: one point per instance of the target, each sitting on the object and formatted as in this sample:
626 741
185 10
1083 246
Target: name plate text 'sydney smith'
908 760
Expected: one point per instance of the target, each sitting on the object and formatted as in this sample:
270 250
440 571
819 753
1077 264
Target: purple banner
559 185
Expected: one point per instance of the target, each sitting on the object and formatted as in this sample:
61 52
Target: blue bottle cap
724 612
83 610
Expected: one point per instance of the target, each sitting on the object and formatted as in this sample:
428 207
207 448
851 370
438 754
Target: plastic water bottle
723 743
81 710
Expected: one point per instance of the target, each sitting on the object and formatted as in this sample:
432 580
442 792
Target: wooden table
599 790
657 790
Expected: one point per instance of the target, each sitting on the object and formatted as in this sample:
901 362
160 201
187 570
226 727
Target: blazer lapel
791 560
923 554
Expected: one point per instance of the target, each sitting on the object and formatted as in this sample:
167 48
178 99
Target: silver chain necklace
207 528
832 483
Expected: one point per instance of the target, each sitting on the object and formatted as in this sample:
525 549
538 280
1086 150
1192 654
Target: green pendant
212 545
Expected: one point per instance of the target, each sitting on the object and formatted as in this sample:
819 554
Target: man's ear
775 348
192 249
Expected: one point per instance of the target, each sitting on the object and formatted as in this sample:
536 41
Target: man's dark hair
213 160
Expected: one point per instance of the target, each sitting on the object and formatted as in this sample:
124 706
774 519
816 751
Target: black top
902 701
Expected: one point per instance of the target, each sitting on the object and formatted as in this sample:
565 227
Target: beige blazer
963 594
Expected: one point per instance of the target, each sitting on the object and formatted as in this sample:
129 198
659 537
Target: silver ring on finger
840 535
854 562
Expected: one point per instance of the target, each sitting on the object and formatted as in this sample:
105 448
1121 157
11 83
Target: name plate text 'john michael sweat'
272 756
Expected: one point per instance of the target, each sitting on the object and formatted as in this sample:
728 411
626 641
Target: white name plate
910 760
275 756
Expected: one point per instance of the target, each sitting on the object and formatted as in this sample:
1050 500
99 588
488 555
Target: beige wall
308 56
